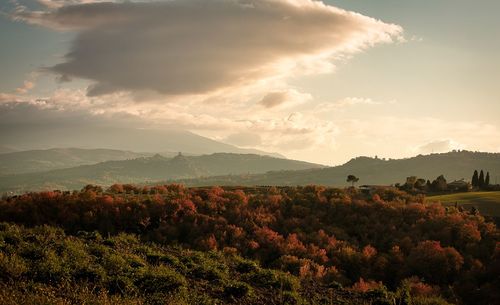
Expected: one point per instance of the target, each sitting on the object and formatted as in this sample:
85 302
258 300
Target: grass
488 203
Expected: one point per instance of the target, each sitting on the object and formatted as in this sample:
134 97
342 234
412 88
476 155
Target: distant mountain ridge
146 169
57 158
120 138
453 165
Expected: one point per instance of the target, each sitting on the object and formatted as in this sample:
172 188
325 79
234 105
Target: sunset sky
315 81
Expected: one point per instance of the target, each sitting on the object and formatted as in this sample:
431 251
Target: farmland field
488 203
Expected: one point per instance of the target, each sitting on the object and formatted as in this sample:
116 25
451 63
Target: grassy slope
488 203
43 265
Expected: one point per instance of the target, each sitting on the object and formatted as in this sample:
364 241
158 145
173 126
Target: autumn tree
435 263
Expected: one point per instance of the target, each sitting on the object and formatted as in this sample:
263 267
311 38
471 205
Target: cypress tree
480 182
475 179
487 179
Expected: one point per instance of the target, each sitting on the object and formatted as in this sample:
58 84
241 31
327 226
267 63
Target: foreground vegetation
44 266
311 245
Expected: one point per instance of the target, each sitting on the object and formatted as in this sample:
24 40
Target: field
488 203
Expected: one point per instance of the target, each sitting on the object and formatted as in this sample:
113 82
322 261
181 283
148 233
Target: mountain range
28 137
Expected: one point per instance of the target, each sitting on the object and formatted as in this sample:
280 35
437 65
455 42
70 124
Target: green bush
161 279
267 278
207 272
115 264
238 290
246 266
120 284
51 269
12 267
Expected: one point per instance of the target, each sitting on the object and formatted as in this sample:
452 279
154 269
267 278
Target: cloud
440 146
244 139
27 86
284 98
273 99
348 102
54 4
192 47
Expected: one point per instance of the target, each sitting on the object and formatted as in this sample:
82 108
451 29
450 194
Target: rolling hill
453 165
147 169
57 158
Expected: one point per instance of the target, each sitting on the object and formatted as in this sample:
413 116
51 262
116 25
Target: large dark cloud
199 46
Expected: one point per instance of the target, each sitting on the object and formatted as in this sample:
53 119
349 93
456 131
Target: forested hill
146 169
453 165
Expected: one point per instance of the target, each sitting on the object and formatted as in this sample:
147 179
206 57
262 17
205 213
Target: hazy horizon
316 81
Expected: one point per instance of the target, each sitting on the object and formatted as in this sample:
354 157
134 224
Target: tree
475 179
410 181
439 184
352 179
487 179
420 184
480 181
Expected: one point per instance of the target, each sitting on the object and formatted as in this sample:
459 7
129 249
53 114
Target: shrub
51 269
246 266
90 273
120 284
115 264
209 273
12 267
160 279
272 279
238 290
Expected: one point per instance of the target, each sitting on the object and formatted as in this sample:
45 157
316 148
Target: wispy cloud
27 86
437 146
287 98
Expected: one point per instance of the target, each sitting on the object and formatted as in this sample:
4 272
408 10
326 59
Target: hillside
454 165
149 169
57 158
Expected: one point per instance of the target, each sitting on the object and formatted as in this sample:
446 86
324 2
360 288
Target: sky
316 81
